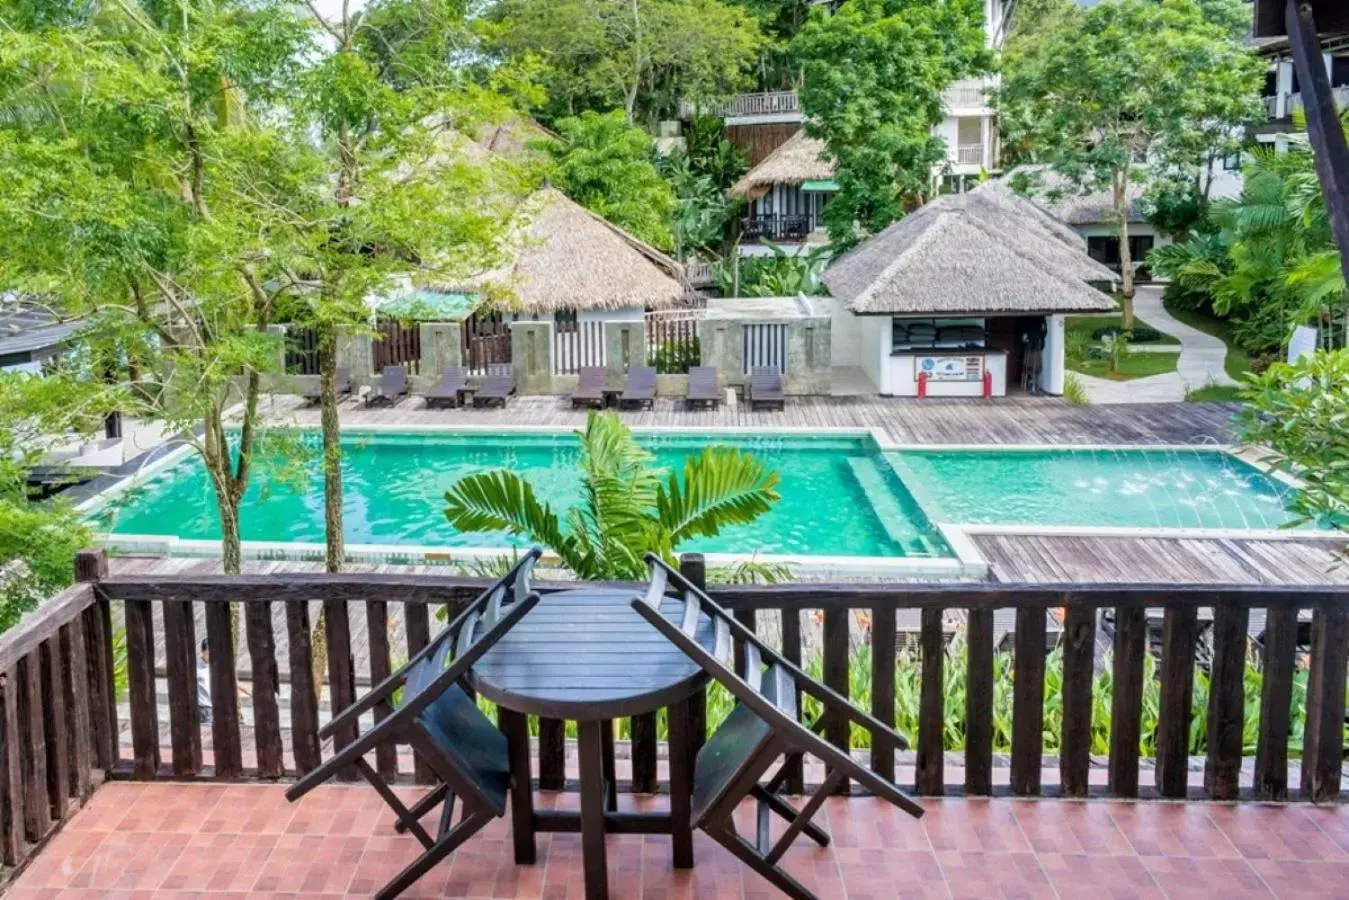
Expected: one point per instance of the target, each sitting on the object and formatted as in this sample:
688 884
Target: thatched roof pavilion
799 160
564 257
967 256
1055 193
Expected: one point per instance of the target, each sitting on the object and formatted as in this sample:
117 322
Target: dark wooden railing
57 682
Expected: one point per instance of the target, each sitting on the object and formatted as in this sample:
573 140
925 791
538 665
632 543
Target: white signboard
951 368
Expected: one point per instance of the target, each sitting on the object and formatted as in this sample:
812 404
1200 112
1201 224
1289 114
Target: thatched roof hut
1055 193
799 160
564 257
517 136
960 256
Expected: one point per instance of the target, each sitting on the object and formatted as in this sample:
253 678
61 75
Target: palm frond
721 486
500 500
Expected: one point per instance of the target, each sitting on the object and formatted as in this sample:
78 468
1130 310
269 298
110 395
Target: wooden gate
576 344
485 340
397 344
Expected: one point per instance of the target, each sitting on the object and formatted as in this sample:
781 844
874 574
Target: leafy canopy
629 507
608 166
873 75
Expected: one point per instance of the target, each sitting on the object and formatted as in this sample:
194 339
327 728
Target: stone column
356 354
1052 362
442 347
721 345
808 357
624 345
532 356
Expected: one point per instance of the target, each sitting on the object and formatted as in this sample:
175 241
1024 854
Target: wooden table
585 655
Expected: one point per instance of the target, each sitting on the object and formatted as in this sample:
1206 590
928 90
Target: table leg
681 786
516 728
590 747
610 768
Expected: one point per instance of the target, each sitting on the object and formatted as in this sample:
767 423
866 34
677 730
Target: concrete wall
624 345
809 351
442 347
532 357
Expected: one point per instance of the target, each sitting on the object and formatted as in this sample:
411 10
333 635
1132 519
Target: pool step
876 486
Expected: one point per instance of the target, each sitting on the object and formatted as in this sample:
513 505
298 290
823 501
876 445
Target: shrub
1139 334
1074 391
676 356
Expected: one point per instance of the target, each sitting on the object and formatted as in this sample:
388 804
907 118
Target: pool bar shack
965 297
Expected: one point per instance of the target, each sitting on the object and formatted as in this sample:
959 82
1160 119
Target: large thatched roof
800 159
516 136
966 255
562 256
1055 193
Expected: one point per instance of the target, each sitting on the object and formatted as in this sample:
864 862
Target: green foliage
700 176
675 357
606 165
1267 261
629 507
876 113
781 274
1301 412
641 57
1074 391
1126 81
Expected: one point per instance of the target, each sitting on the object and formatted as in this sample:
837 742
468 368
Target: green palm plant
629 506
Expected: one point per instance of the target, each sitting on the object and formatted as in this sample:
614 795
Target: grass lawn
1214 393
1237 363
1083 326
1135 365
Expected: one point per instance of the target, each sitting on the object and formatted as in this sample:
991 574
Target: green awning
432 306
820 186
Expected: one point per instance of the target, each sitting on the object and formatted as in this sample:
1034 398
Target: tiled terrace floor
179 841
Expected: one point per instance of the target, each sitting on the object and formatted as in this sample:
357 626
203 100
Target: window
1105 250
1232 162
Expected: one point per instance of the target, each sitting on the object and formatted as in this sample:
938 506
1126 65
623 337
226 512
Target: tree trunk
332 450
230 546
1126 262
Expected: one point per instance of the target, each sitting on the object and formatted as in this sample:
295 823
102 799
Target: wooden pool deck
1010 420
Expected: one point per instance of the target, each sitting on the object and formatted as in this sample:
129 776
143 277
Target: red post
922 384
988 384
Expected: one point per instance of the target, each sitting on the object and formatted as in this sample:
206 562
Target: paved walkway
1201 360
176 841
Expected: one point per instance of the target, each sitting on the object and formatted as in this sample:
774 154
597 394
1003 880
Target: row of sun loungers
593 389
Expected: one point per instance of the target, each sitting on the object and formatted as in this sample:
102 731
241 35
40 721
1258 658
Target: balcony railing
965 95
769 103
61 671
1341 95
776 227
970 155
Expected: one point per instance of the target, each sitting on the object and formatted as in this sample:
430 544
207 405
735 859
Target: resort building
790 181
964 298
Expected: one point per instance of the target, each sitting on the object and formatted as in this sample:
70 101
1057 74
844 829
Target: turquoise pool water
1124 488
839 497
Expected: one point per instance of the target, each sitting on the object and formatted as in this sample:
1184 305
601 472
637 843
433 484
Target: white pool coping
966 562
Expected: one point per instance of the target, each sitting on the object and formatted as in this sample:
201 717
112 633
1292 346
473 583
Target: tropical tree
133 133
1268 261
1301 412
873 76
629 506
1131 82
608 166
640 56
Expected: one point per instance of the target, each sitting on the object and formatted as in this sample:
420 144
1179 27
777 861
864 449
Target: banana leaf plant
629 505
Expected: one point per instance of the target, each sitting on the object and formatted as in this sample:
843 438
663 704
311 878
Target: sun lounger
703 388
450 390
765 388
641 388
765 726
445 728
342 377
589 387
392 387
497 385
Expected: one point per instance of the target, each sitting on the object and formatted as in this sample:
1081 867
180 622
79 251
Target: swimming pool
839 497
1093 488
844 496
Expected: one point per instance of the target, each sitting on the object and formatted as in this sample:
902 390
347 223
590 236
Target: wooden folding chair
763 727
444 727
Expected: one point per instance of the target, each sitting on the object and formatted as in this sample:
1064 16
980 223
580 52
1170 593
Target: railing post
1323 739
91 566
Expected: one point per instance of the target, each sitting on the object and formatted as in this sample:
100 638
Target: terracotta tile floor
179 841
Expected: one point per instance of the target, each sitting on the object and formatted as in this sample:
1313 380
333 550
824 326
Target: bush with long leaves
629 506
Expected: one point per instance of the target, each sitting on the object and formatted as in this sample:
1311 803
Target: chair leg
467 827
742 850
425 804
404 814
802 819
789 812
